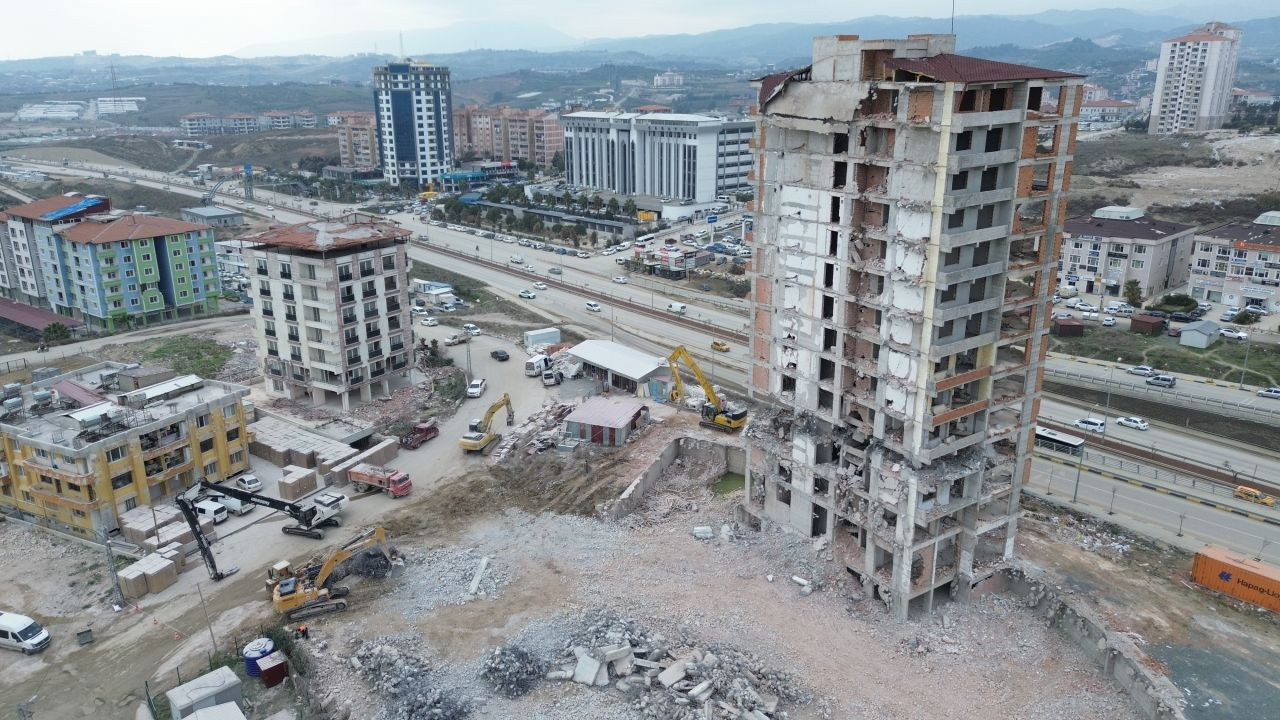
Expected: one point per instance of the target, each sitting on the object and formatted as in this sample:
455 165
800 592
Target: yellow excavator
430 193
715 411
310 590
480 436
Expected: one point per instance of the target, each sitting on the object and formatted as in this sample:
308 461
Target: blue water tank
255 651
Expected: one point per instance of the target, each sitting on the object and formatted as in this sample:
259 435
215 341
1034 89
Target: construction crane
715 411
311 516
310 590
479 437
188 510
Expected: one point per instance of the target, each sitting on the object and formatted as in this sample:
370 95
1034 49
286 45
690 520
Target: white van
212 510
19 632
1068 291
536 365
677 308
233 505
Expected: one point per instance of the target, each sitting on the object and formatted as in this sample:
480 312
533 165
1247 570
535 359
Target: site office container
1238 575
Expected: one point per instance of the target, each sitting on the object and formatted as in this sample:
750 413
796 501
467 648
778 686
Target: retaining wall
734 459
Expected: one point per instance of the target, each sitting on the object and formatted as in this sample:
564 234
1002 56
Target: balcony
46 467
291 317
289 296
393 306
366 270
296 357
350 339
348 319
264 291
268 312
393 322
399 363
355 379
375 352
269 332
377 372
344 276
286 275
294 337
347 297
396 346
273 352
373 292
370 334
262 271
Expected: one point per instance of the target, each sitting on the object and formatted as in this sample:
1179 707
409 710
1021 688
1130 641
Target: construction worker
300 632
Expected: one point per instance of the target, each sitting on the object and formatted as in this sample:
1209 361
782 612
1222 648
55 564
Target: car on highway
593 306
1092 424
539 286
555 271
517 259
1271 392
1136 423
500 355
1233 333
1143 370
270 209
528 294
620 279
476 388
472 329
529 268
719 346
1253 495
1164 381
430 322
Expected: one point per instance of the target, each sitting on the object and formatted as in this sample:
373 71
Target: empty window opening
839 173
990 178
986 216
840 143
828 339
784 494
951 258
784 472
826 369
999 99
1034 98
955 220
995 137
968 101
964 140
826 400
833 243
1040 178
788 383
828 307
947 295
835 209
828 275
960 181
819 526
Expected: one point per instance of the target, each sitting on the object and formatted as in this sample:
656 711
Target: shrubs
1174 302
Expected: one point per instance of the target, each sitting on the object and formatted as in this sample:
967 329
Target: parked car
1062 316
476 388
1085 307
1109 321
1156 313
472 329
1234 334
249 483
430 322
528 294
19 632
1271 392
1143 370
620 279
500 355
1181 317
1257 310
719 346
1136 423
583 254
1092 424
455 339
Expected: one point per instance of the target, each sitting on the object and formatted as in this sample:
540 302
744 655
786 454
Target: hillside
280 149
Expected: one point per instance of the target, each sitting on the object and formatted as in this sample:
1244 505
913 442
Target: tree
613 207
437 214
557 161
497 193
56 333
1133 293
596 203
493 216
567 199
629 208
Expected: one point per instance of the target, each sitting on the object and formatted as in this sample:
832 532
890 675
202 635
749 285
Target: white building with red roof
1194 80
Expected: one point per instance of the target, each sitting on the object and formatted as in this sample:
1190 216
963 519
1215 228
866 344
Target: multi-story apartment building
668 79
687 157
79 449
1194 79
414 104
1103 252
1238 264
197 124
331 307
534 136
906 195
120 270
358 142
26 247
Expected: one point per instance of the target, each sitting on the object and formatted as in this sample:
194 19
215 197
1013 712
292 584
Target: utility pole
1244 369
111 568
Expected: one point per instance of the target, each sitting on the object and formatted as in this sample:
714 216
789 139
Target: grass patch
477 294
1224 360
736 287
124 195
1126 153
728 483
187 354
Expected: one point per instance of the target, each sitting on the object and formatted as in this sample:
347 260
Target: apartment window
237 457
206 445
388 262
203 420
964 140
955 220
960 181
1137 264
995 137
990 177
117 453
233 434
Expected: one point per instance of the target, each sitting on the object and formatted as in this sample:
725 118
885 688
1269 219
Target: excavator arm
373 538
304 515
681 354
504 401
202 542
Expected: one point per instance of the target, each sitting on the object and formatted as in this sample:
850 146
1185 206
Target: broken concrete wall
1153 695
733 458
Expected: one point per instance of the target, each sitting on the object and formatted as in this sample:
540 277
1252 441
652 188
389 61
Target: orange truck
367 477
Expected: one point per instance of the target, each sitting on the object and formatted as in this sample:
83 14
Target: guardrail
584 291
1167 396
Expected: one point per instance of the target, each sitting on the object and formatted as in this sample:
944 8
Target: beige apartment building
503 133
1195 75
1238 264
358 141
904 194
1104 251
331 307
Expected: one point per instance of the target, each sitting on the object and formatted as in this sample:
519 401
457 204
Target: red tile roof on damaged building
99 229
322 235
964 69
36 209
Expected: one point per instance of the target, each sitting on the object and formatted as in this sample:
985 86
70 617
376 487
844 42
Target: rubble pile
1089 536
242 367
672 678
403 680
539 432
512 671
684 485
451 576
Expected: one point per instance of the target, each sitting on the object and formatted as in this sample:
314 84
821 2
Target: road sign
711 219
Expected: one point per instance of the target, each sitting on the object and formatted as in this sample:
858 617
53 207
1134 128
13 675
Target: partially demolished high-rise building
909 209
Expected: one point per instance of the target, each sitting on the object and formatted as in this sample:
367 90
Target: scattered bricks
641 662
623 667
672 675
702 691
703 532
602 676
588 669
799 581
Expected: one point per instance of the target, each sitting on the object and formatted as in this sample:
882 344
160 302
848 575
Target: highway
1114 373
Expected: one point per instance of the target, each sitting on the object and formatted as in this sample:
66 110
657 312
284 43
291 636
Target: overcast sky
166 27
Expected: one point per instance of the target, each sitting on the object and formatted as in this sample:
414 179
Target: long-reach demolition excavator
312 516
716 412
310 590
187 507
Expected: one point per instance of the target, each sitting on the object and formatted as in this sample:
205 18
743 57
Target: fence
1168 396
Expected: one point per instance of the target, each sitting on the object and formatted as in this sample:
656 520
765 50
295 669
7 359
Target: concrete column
346 400
318 396
386 386
366 392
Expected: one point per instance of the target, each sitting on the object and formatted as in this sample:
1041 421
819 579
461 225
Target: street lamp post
1110 376
1245 368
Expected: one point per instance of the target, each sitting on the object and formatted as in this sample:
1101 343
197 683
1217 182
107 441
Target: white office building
686 157
415 113
1194 80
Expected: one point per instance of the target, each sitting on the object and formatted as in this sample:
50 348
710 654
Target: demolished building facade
910 205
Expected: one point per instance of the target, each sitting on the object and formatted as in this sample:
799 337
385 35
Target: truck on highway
365 477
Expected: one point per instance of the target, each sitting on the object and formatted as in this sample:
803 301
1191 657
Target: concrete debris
703 532
451 576
673 679
475 581
512 671
539 432
403 680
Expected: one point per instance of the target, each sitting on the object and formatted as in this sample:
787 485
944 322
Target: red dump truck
420 433
368 477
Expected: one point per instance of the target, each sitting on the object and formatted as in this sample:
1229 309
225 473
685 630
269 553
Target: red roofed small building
1194 78
331 308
